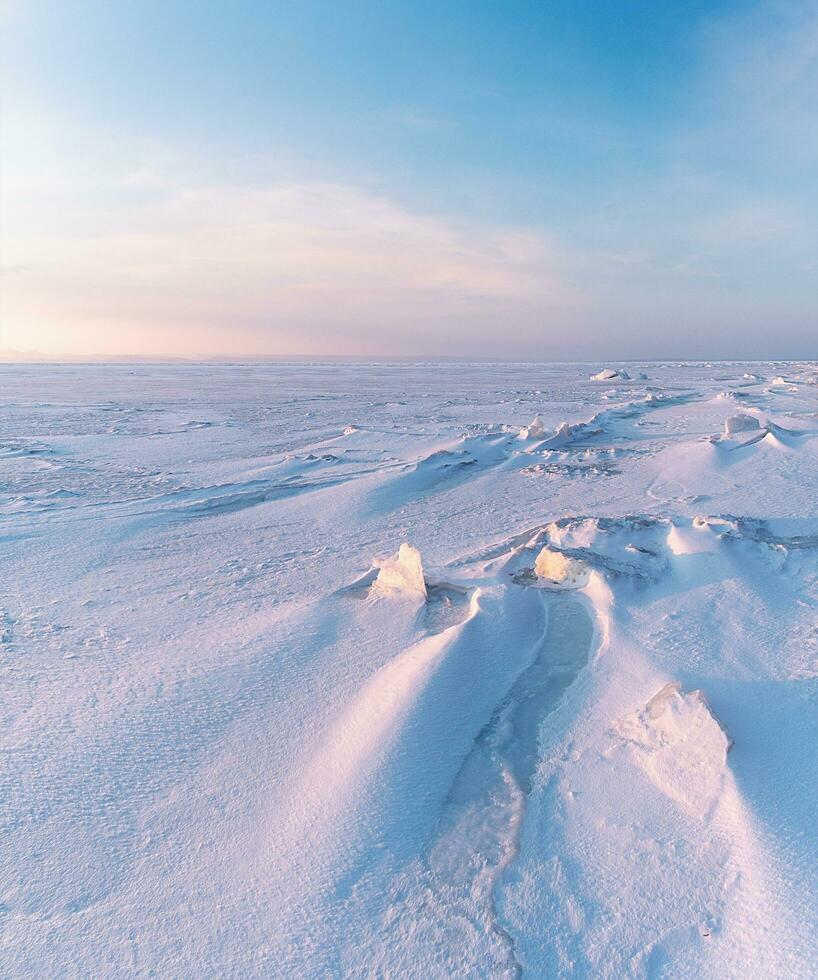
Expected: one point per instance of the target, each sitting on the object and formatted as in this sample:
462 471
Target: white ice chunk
402 574
560 570
606 374
679 745
741 423
534 430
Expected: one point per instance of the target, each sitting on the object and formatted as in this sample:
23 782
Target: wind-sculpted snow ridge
493 680
233 746
573 449
478 835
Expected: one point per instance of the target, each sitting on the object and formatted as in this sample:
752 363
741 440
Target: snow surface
230 748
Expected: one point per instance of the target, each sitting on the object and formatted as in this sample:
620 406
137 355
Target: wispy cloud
312 261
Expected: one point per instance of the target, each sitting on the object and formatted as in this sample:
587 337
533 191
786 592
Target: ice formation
608 374
402 574
560 437
534 429
680 746
559 569
741 423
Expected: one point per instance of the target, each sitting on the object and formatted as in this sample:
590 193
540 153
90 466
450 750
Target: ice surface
232 747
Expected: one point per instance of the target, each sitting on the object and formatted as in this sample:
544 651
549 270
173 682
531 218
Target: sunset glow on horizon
387 179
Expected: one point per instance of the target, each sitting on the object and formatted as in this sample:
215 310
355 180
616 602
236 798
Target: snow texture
234 748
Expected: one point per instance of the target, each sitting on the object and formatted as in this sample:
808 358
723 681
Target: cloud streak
293 267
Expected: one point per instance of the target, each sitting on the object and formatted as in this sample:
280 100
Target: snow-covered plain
243 735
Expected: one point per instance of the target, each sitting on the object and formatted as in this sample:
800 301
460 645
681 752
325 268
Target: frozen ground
242 735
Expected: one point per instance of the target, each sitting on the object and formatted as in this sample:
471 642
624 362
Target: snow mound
781 382
561 437
560 570
608 374
534 430
698 536
741 423
402 574
680 746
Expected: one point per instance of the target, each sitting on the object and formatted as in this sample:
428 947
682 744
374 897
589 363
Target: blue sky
497 179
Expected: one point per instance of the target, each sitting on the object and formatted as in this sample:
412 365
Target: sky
533 180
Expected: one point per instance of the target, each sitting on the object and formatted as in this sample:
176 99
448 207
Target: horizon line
11 357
